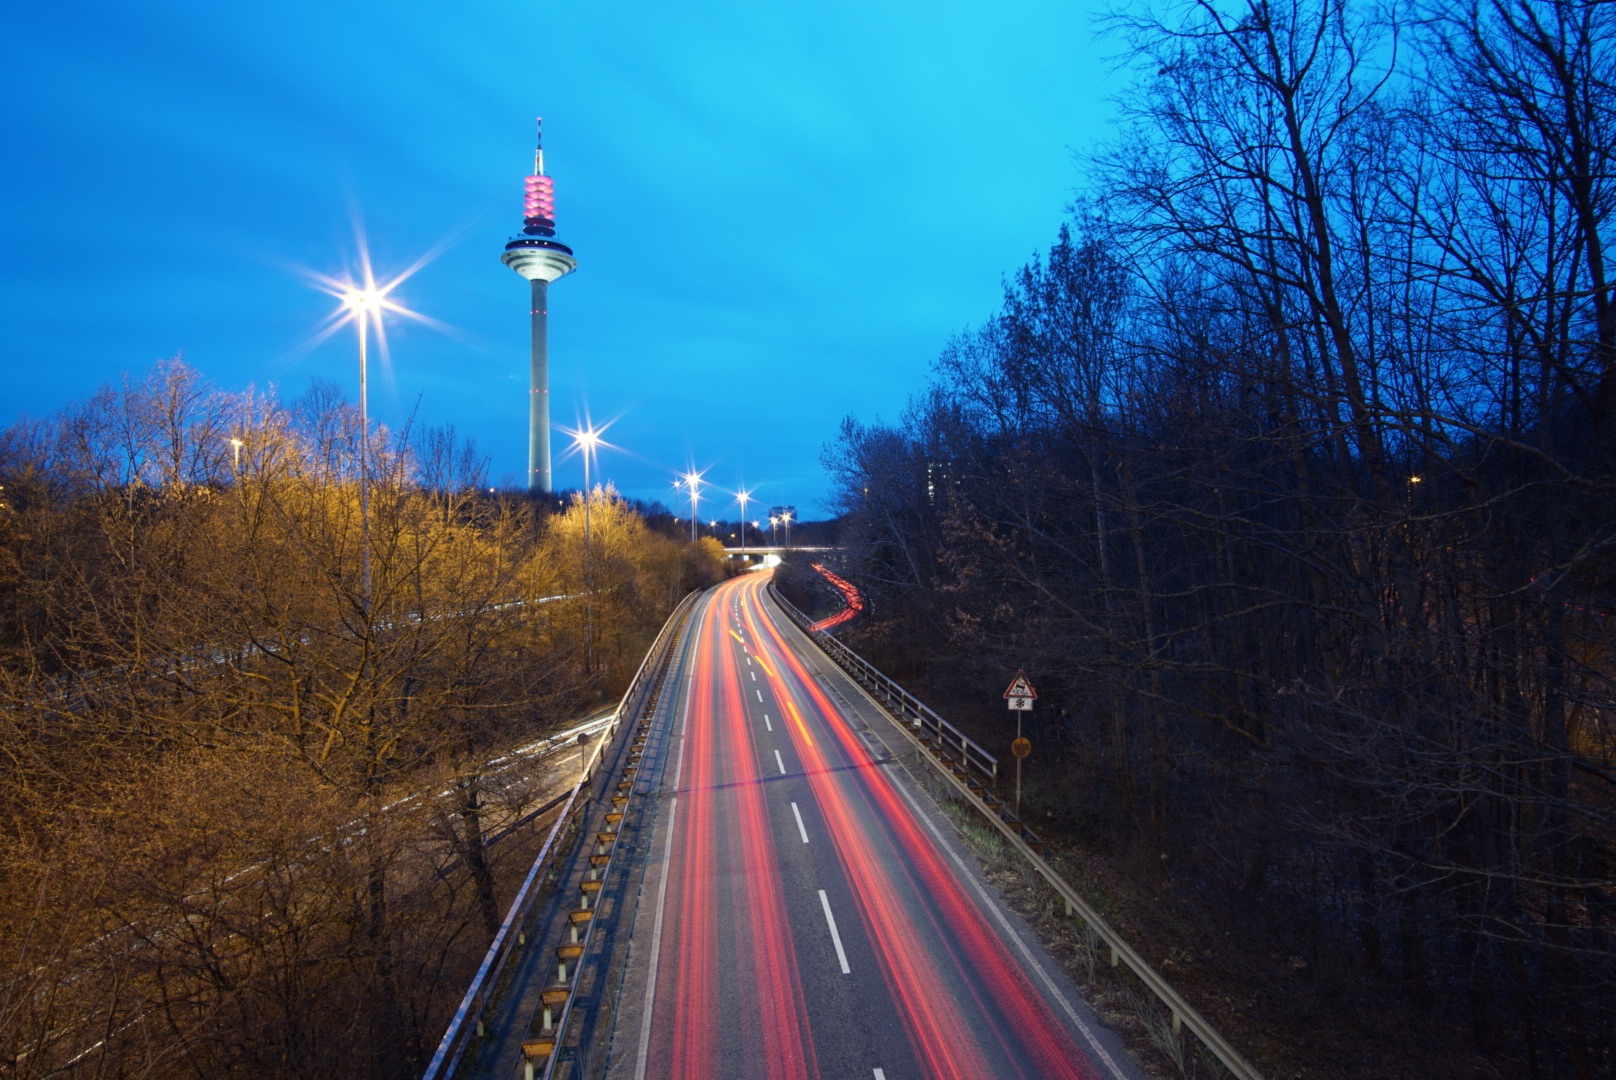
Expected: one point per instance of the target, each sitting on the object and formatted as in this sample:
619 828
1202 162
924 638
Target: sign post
1019 696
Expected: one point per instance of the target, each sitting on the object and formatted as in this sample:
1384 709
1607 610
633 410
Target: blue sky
780 212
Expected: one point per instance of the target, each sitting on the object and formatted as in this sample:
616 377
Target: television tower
538 256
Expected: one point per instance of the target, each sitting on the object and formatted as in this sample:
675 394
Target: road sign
1021 748
1020 694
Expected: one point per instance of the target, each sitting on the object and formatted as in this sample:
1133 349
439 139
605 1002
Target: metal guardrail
1184 1016
547 1043
910 709
467 1022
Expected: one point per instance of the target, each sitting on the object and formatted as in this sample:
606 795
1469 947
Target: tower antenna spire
538 147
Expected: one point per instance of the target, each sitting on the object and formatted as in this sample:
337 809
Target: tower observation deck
537 255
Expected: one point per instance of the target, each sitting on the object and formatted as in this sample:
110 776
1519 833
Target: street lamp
363 305
363 302
692 481
235 444
743 497
586 441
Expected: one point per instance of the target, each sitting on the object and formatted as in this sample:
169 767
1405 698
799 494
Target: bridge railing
1183 1014
914 712
467 1022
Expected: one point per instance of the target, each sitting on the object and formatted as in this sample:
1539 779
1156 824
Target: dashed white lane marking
835 938
759 693
1004 923
766 723
800 827
753 674
780 762
879 1075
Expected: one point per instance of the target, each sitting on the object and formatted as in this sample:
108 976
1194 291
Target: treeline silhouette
248 795
1288 474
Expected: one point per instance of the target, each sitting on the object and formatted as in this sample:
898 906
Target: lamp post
692 480
743 497
586 441
365 304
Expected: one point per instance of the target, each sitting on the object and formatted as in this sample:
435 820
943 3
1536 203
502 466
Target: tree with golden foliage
224 847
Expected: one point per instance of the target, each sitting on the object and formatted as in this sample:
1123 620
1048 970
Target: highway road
806 911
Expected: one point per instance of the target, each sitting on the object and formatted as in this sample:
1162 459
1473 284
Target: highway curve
806 913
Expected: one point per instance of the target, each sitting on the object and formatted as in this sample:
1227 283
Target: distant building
939 475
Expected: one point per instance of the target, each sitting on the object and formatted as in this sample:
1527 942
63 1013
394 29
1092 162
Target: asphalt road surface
807 912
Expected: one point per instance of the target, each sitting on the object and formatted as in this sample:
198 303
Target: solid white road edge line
661 898
662 895
656 946
835 938
679 769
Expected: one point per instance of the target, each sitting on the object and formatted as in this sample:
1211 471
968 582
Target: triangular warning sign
1021 688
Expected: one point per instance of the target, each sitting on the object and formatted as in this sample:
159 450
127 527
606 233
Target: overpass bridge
764 889
770 554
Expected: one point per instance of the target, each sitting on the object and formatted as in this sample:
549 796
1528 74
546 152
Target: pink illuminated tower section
538 256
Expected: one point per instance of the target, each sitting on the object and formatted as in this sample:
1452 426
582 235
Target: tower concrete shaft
538 398
541 258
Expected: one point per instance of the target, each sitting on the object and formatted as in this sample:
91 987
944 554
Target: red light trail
920 981
942 1036
724 782
850 596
